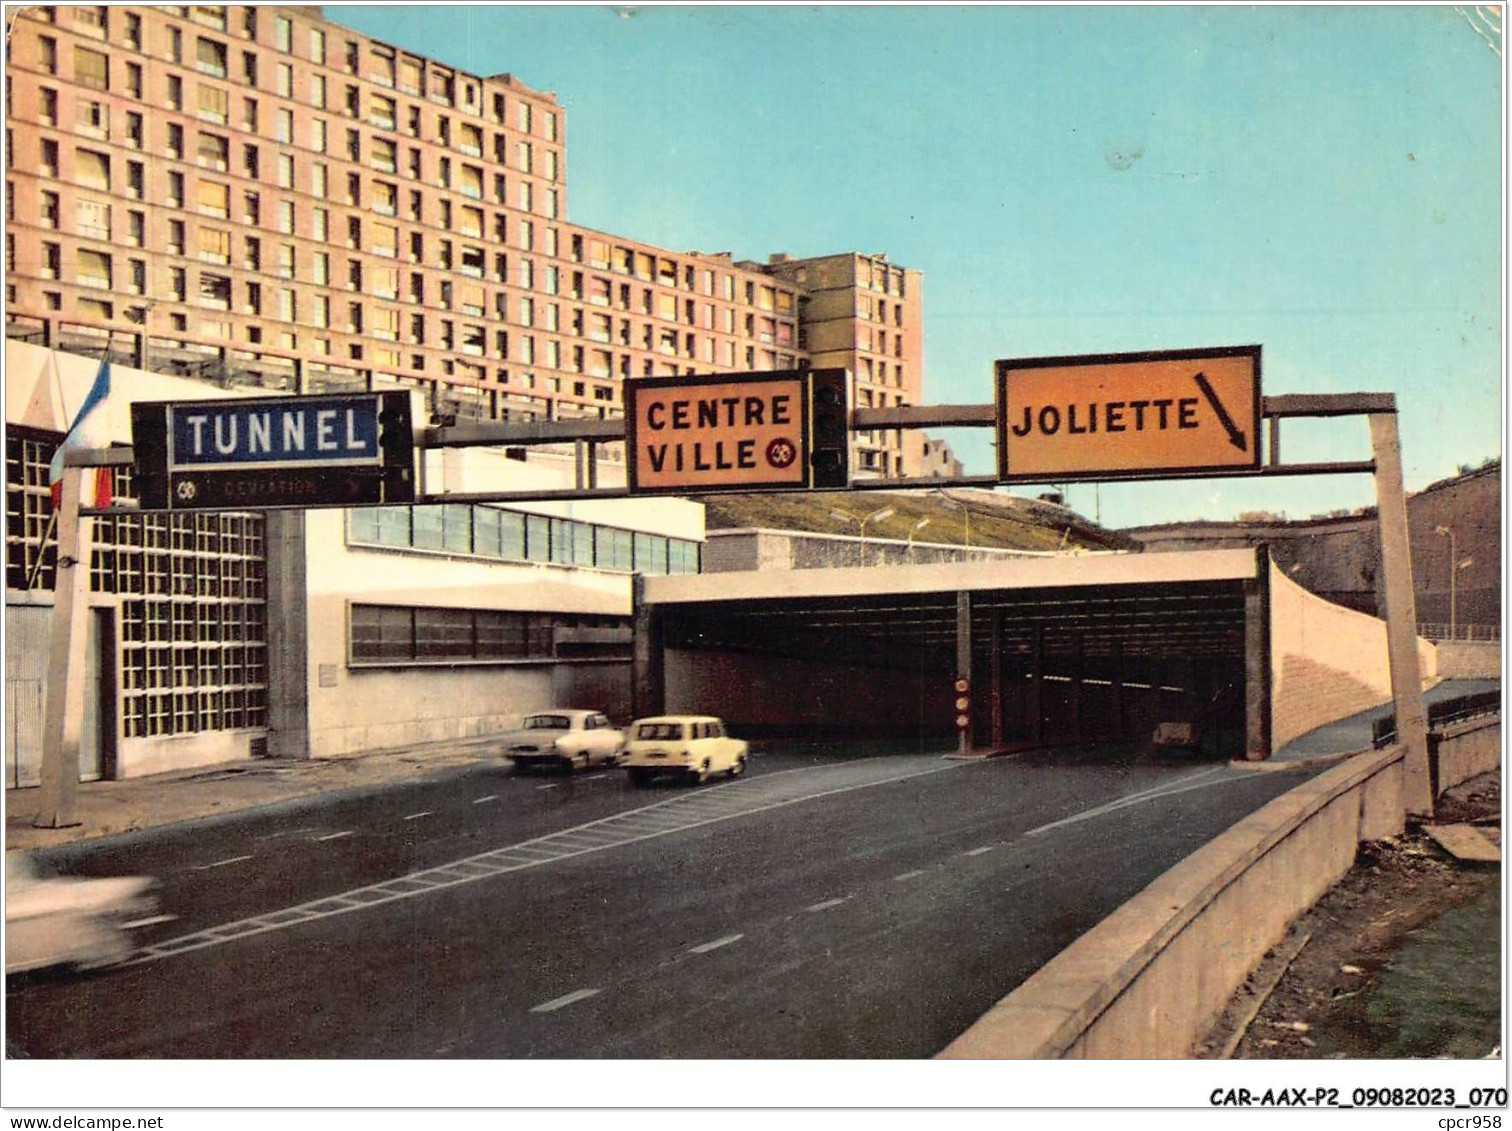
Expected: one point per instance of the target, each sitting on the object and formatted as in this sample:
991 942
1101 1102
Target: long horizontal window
383 635
478 530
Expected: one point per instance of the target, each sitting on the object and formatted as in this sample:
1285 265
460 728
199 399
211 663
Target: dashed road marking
423 813
704 948
551 785
827 904
337 836
594 777
220 863
979 851
490 797
712 805
565 1000
910 875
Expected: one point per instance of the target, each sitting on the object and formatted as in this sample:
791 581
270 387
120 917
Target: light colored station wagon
692 746
567 739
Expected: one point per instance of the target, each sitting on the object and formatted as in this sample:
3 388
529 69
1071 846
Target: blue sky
1325 182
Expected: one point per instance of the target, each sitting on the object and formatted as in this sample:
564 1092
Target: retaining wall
1327 662
1149 980
1466 750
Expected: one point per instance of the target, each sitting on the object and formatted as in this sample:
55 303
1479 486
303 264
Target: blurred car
567 739
690 746
66 920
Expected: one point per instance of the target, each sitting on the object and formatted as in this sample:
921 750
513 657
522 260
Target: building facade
261 195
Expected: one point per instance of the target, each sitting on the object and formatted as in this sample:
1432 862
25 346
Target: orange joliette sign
1183 411
722 433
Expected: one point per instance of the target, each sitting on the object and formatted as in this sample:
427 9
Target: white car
58 920
568 739
689 746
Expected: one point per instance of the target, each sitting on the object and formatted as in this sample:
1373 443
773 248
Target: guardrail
1470 633
1383 729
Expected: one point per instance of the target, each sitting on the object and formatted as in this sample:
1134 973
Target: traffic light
829 416
396 442
963 703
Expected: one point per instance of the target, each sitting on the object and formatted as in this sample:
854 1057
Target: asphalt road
826 905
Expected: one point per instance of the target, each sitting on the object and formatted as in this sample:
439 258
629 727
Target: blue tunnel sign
287 434
317 451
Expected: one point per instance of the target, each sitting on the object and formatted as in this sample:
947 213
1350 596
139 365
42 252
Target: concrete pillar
1078 685
1037 686
288 635
1117 707
648 672
996 689
1401 614
963 665
1257 660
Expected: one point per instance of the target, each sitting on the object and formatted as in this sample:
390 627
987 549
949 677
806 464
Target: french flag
88 432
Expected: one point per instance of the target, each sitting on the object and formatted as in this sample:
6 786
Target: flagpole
36 570
64 712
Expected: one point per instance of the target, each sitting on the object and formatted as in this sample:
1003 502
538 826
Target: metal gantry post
63 722
966 744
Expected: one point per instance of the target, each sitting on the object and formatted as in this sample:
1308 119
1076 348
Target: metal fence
1488 633
1383 729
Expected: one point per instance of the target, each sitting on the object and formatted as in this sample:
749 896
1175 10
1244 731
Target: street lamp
875 516
955 505
918 526
1453 571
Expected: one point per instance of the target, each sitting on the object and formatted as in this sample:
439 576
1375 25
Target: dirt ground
1339 950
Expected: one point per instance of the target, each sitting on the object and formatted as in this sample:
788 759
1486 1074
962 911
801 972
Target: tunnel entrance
1056 653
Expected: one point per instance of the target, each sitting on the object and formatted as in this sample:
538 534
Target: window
210 57
213 199
91 168
317 46
381 111
283 34
176 237
385 239
251 166
52 261
318 91
285 83
133 32
285 170
94 269
319 181
285 132
134 80
213 152
523 156
382 69
385 155
136 133
175 45
91 69
286 217
212 103
214 246
49 48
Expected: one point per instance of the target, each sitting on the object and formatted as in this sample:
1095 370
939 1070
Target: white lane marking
594 777
1168 790
979 851
490 797
763 794
827 904
148 922
910 875
423 813
337 836
704 948
219 863
565 999
553 785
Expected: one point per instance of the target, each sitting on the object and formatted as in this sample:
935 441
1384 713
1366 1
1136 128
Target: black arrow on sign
1235 436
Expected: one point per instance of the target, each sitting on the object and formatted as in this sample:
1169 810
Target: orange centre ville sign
1172 413
724 433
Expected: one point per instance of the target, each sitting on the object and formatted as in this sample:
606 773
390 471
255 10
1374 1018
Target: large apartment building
259 195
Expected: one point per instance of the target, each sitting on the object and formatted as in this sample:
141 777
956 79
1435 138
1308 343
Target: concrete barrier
1466 750
1149 980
